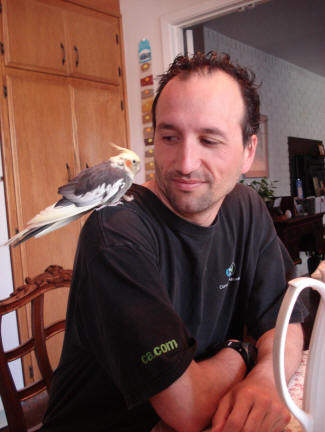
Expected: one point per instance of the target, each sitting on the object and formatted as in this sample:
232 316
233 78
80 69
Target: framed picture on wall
260 166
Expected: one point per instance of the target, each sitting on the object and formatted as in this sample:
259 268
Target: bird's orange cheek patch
128 163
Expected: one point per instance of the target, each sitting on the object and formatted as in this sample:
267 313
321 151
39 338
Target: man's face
199 151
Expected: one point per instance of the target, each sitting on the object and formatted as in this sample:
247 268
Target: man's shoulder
130 220
245 207
243 195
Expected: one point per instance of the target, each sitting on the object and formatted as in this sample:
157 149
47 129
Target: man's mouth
187 184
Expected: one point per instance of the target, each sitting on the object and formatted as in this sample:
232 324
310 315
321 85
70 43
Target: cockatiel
93 188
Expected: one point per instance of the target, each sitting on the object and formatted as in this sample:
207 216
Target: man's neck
205 218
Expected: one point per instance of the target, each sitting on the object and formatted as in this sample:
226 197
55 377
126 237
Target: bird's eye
134 161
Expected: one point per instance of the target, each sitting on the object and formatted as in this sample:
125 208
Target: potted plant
264 187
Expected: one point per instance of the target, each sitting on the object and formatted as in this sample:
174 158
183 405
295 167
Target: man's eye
210 142
169 138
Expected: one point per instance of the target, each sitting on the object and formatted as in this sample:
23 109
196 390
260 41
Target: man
167 286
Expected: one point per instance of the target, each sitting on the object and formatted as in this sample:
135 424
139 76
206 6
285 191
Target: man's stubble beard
185 203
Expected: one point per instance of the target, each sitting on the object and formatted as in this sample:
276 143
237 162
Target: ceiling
293 30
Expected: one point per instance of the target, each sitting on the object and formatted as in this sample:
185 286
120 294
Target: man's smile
187 184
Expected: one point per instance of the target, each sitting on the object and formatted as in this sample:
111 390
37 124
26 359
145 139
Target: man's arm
254 402
190 402
217 386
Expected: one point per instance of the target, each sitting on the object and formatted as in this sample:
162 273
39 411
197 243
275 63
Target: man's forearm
190 402
293 351
254 403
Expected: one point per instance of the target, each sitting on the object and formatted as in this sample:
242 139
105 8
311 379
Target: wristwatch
247 350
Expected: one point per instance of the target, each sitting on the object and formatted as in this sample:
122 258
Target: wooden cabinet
45 37
62 103
99 121
93 46
34 36
302 233
43 153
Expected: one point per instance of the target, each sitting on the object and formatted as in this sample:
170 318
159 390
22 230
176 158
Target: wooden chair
25 407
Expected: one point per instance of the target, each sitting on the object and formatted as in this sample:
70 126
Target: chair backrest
25 407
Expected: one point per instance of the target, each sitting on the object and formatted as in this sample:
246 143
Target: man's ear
249 153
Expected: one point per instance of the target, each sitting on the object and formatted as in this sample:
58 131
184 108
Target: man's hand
319 273
254 404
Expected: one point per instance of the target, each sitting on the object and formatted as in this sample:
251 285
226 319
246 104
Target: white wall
6 286
292 98
9 324
141 19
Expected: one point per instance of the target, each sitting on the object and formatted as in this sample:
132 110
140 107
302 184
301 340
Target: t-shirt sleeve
269 290
129 323
269 279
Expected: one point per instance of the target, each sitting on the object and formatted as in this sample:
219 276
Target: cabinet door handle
68 171
75 49
63 53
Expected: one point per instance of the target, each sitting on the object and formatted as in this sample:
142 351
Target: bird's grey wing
95 185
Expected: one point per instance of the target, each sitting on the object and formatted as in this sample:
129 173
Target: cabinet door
34 36
111 7
99 121
42 146
93 41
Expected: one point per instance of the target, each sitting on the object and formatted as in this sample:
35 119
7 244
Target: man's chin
187 206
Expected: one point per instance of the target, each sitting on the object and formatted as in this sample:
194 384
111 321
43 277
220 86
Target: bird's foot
128 198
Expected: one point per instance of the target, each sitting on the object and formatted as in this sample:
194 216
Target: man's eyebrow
214 131
166 126
206 130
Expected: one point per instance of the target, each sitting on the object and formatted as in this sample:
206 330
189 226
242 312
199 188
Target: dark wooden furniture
306 160
302 233
25 407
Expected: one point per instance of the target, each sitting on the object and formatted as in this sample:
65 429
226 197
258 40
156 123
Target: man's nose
188 157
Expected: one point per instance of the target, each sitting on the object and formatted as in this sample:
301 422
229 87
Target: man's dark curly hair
184 67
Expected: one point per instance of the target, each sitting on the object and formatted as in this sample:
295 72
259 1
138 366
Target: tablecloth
296 388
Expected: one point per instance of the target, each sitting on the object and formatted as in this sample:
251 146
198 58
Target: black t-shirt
150 292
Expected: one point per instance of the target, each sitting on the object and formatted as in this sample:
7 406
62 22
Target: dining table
296 390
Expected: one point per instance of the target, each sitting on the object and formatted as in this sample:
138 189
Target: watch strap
247 350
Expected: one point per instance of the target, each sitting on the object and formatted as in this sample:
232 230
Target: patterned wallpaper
292 98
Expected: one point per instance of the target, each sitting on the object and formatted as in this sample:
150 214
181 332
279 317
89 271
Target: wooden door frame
172 24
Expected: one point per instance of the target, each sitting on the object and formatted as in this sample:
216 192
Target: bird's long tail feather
23 236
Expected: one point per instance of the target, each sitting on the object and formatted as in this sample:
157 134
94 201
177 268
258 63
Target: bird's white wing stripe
57 225
55 214
114 188
101 193
91 196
